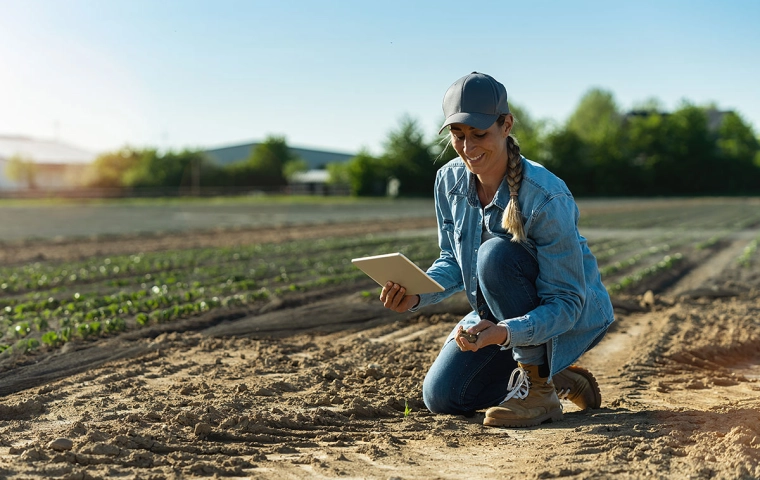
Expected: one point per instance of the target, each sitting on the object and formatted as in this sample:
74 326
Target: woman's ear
509 121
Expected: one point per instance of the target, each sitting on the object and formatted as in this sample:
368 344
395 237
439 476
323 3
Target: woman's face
483 151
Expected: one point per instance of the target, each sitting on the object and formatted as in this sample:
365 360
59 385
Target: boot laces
518 387
563 393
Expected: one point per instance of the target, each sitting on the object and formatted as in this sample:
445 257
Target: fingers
466 340
482 334
392 297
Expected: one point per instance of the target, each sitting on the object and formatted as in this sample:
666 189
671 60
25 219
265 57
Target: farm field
200 346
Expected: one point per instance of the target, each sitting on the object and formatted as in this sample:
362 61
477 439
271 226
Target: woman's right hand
395 298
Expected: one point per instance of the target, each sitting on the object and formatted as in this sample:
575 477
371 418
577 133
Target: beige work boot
531 401
579 386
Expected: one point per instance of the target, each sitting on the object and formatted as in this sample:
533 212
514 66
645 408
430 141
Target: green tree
169 169
738 149
110 169
674 152
22 169
409 158
597 117
337 174
649 105
567 157
601 166
530 133
364 173
267 162
691 151
292 167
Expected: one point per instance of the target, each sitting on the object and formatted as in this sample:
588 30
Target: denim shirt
575 307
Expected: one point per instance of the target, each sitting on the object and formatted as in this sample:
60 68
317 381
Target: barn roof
51 152
315 159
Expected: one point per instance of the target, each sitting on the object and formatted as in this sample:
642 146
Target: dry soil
329 386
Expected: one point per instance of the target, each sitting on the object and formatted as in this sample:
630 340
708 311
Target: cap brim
481 121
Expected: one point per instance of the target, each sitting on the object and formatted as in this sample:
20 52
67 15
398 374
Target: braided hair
512 219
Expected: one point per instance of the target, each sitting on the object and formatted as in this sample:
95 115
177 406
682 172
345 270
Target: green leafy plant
66 334
745 259
51 338
22 329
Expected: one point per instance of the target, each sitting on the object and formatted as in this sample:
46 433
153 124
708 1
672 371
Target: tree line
269 165
599 151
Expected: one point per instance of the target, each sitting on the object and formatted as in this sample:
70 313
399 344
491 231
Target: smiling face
483 151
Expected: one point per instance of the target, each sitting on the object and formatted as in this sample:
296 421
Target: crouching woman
508 234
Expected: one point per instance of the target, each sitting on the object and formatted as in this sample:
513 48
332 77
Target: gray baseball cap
476 100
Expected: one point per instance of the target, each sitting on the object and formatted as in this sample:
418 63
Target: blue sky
339 75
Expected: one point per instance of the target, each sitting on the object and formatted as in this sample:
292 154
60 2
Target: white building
57 165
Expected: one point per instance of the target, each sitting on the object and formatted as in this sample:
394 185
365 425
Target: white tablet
395 267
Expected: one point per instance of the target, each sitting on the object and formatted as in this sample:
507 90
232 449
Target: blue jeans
461 382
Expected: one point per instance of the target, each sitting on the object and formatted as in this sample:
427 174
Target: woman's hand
394 297
488 334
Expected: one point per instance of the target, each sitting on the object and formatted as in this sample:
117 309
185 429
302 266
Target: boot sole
553 416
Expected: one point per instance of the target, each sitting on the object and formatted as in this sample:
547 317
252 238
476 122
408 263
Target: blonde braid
512 219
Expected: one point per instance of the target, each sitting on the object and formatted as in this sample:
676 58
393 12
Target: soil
329 386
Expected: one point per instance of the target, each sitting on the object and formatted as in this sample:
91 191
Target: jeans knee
495 257
498 257
439 396
487 260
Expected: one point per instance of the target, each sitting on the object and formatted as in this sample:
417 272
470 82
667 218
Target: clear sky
339 75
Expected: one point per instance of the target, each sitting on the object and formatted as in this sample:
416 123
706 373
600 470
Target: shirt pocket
454 235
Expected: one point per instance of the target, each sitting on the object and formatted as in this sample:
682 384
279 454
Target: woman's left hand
488 334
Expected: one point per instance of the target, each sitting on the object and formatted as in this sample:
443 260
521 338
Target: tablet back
395 267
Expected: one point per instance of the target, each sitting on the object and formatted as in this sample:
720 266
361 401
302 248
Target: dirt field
329 386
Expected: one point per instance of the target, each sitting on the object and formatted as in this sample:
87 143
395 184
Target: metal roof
50 152
315 159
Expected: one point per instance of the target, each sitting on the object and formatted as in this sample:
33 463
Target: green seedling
66 334
407 409
51 338
83 330
22 329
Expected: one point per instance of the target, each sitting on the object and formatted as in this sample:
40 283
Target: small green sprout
407 409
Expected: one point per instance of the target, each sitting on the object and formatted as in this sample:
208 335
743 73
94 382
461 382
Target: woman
508 234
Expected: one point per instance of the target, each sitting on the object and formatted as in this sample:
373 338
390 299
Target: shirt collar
466 186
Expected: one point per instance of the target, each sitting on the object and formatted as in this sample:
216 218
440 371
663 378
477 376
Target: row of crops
690 215
52 303
46 304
